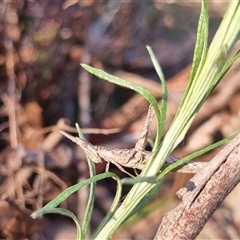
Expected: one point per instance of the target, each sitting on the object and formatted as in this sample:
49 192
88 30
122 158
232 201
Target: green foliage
208 67
51 206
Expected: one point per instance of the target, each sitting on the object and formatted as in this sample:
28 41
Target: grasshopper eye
82 142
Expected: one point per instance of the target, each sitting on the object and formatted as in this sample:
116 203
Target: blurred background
43 89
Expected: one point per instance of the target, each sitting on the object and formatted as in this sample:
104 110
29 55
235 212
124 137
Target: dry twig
202 195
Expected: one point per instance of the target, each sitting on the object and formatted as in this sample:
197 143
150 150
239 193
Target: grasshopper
131 158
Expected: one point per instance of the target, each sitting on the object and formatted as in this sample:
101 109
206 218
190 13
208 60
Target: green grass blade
200 51
225 69
123 83
164 100
194 155
132 181
69 214
91 198
67 192
112 209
